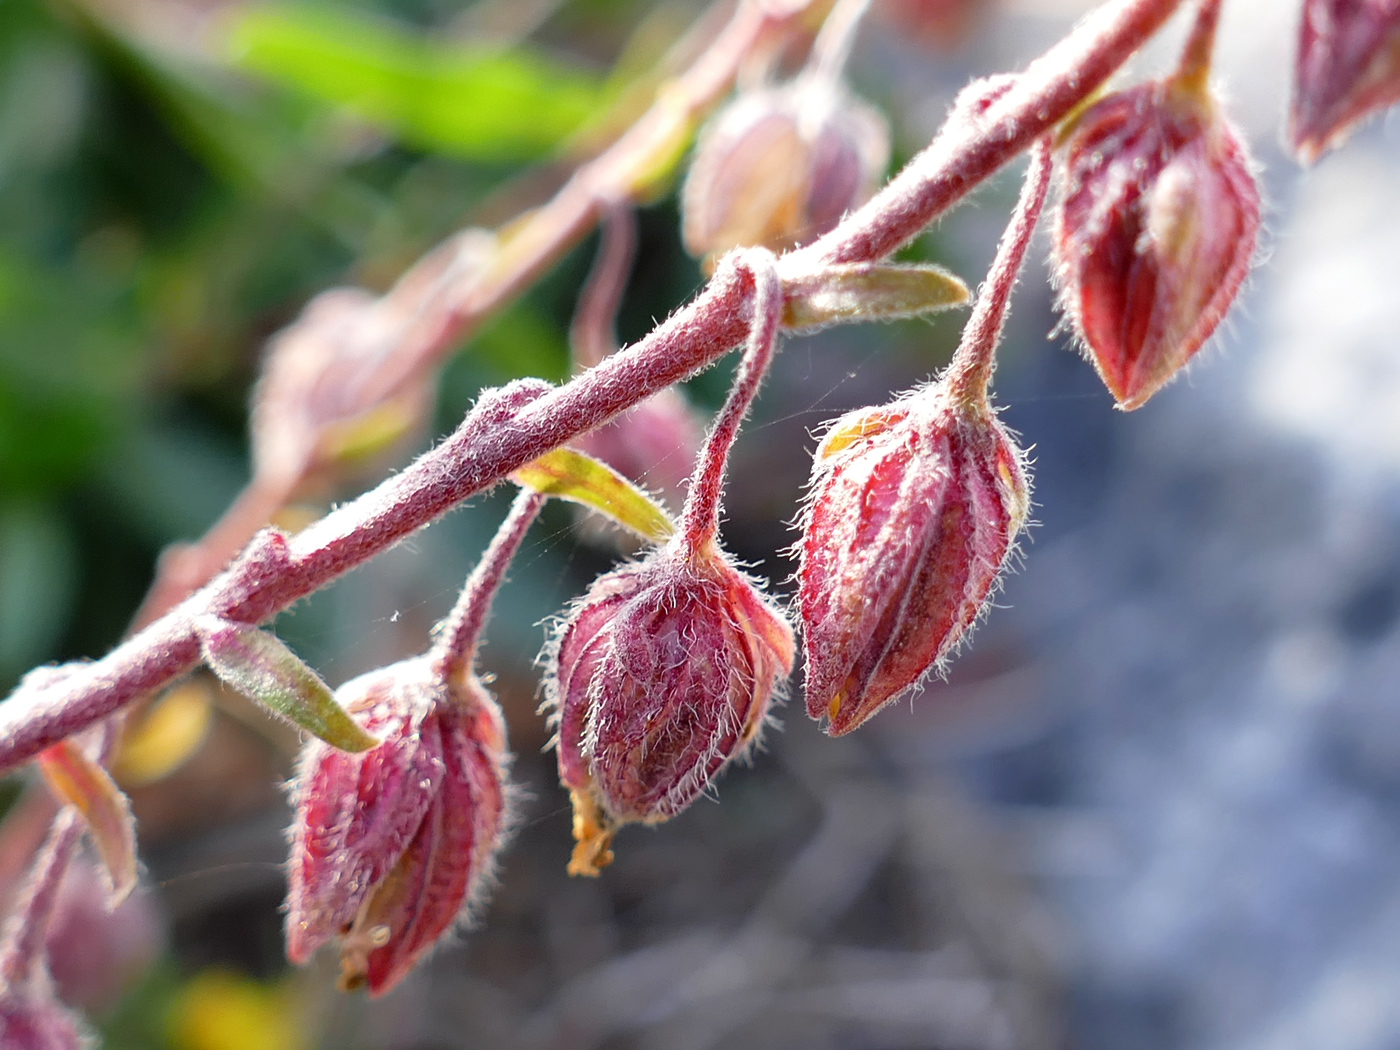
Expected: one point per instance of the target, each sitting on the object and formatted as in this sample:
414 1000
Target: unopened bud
914 510
392 844
661 676
780 166
1348 67
1155 234
32 1019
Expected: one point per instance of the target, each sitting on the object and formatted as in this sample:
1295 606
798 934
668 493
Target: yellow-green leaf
261 667
868 292
81 781
568 474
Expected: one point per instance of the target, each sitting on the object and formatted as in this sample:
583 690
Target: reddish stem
965 155
700 519
593 334
454 651
22 948
1194 69
970 371
254 589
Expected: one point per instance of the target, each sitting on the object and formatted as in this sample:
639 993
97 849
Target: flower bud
32 1019
391 844
780 166
914 509
660 677
1155 233
1348 67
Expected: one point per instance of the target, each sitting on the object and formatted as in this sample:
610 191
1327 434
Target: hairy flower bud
1348 67
780 166
1155 233
914 509
391 844
32 1019
659 678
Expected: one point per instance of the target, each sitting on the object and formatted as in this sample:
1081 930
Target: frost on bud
1348 67
661 676
780 166
31 1018
391 845
913 512
1155 234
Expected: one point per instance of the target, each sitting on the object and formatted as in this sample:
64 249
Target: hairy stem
255 589
22 949
455 648
1194 69
970 371
700 520
593 334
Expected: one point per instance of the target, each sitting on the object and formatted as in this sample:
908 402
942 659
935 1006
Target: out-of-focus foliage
465 99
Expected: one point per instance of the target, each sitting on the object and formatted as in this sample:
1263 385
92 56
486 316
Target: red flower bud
391 844
1348 67
1155 234
32 1019
779 167
914 510
660 677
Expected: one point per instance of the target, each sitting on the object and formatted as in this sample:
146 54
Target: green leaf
571 475
868 292
263 669
474 102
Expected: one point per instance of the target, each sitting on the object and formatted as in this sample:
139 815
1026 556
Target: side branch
275 572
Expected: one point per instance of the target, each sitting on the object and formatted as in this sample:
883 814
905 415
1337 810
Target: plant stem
1193 72
970 371
961 157
832 48
593 334
22 949
254 589
454 651
700 519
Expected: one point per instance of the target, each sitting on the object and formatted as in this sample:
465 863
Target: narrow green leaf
571 475
868 292
263 669
475 102
82 782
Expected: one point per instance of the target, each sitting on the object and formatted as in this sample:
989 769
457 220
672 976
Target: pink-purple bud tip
660 677
392 844
914 509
